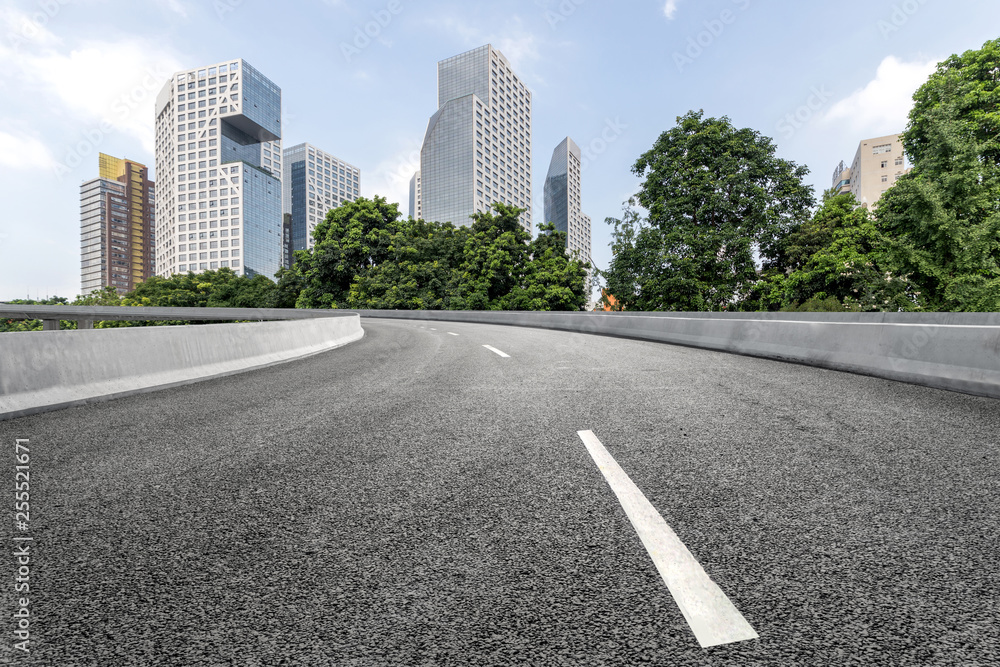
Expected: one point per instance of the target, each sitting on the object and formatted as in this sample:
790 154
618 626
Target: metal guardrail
85 316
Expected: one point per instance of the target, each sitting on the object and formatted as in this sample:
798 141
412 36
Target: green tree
717 197
353 238
421 272
840 256
945 214
495 259
552 280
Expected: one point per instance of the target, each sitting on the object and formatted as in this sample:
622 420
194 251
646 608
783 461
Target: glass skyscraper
218 166
315 182
562 199
477 149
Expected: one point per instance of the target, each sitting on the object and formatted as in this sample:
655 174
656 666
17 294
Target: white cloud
882 106
80 81
391 177
670 9
175 6
22 152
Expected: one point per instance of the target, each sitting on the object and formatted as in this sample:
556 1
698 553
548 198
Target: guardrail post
85 324
50 325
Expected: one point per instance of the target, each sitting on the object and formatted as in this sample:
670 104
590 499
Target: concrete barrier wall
48 370
954 351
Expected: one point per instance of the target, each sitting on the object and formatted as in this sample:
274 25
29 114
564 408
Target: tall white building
562 191
218 169
314 182
477 148
416 210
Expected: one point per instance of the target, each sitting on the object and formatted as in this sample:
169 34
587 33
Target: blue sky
78 77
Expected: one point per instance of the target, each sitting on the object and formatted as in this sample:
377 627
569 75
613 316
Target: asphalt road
416 499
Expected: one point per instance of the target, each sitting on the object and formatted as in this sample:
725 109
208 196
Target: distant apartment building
477 148
117 223
315 182
878 164
562 199
287 248
416 210
218 168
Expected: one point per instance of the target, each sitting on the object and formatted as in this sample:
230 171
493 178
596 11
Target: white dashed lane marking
493 349
712 617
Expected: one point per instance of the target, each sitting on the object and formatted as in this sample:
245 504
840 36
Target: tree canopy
717 197
839 260
944 216
367 257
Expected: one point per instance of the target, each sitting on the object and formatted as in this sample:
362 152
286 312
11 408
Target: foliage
351 240
840 256
945 214
716 196
366 257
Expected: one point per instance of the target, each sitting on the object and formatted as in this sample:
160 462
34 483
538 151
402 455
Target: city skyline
83 79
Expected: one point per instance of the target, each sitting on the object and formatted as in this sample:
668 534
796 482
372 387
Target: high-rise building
218 166
477 148
117 238
562 199
287 247
416 210
314 183
878 163
842 179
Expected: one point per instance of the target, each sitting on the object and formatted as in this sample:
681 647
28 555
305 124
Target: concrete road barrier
953 351
48 370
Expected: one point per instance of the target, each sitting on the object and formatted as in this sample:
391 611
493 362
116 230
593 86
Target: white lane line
493 349
433 329
452 334
712 617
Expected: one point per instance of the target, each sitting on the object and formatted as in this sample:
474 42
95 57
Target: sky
359 80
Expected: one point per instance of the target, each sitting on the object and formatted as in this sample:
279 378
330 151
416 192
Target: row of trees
726 225
367 257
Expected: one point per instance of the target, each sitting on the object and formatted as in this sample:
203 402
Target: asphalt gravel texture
415 499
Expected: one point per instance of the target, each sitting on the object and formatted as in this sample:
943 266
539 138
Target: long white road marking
493 349
452 334
712 617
